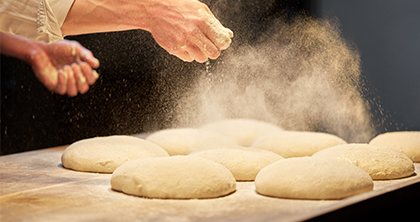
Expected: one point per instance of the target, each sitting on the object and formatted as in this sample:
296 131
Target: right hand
188 30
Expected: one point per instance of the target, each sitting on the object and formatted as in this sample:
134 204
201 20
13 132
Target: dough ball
312 178
105 154
381 163
243 162
243 131
407 142
297 144
178 177
183 141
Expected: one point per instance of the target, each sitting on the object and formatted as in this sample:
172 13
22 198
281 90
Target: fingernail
95 74
224 43
96 61
82 79
230 33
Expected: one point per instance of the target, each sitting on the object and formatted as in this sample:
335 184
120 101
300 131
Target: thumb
86 55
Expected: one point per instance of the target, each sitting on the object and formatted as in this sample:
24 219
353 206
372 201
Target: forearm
18 47
89 16
185 28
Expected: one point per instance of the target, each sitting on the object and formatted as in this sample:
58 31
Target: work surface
35 187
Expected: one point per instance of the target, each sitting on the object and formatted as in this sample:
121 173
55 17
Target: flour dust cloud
301 75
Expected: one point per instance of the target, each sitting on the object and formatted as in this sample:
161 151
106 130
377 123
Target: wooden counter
35 187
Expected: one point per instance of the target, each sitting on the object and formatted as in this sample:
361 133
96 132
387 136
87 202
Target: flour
222 35
301 76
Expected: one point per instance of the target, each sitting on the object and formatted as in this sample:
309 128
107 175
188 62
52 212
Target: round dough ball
178 177
312 178
243 162
297 144
182 141
407 142
243 131
381 163
105 154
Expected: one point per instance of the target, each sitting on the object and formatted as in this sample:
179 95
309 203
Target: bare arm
185 28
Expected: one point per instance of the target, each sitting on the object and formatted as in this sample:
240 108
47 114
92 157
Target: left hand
64 67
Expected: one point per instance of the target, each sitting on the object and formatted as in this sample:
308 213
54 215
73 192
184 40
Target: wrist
33 50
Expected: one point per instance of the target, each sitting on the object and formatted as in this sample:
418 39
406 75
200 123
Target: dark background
133 94
387 34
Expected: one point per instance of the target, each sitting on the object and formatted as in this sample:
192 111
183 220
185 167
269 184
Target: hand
184 28
64 67
188 30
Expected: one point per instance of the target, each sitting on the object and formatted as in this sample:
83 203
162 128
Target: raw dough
380 162
243 162
312 178
297 144
179 177
244 131
105 154
407 142
182 141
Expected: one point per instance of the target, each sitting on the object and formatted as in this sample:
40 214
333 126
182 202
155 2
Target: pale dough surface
177 177
244 131
407 142
297 143
182 141
380 162
105 154
244 162
312 178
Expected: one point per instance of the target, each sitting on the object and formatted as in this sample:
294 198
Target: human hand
188 30
64 67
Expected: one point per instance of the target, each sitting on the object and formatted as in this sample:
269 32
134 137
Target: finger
47 75
81 83
185 56
204 45
206 9
88 73
71 82
62 82
95 74
88 57
74 47
196 53
180 52
191 53
83 54
225 39
215 31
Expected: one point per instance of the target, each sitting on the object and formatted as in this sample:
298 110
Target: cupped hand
188 30
64 67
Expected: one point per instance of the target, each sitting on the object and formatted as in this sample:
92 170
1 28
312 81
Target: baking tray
35 187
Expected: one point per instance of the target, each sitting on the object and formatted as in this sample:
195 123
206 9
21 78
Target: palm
65 67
